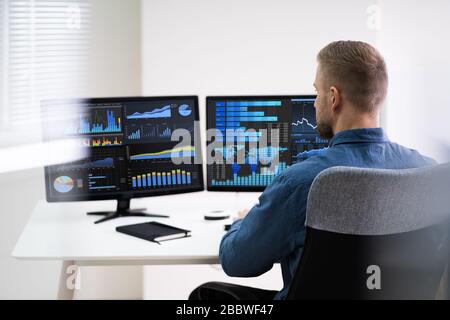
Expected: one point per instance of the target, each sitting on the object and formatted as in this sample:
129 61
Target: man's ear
335 97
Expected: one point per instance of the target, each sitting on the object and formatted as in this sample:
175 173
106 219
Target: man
351 85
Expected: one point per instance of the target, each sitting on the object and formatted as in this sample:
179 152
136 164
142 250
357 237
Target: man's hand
241 214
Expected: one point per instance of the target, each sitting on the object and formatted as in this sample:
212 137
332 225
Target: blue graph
104 163
135 135
164 112
96 164
243 125
309 139
239 136
99 124
276 103
166 133
231 117
149 132
252 155
161 179
185 110
171 155
254 179
302 156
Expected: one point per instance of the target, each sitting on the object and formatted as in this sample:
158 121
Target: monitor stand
123 210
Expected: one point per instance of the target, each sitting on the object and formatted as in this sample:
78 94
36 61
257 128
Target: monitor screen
127 145
264 154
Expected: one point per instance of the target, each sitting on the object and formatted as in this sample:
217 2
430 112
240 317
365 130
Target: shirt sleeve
271 231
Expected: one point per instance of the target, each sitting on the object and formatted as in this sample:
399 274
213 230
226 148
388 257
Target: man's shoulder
304 172
411 155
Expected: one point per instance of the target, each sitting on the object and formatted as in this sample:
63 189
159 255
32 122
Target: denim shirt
274 229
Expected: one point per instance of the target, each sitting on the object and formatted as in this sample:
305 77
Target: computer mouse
216 215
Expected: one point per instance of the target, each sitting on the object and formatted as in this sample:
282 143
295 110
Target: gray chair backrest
395 220
362 201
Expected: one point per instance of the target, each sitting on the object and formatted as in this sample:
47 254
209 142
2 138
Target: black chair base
230 292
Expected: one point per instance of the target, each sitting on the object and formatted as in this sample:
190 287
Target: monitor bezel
238 97
124 195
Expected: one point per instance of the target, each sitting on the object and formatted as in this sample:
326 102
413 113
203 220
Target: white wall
115 60
414 40
212 47
19 192
242 47
114 70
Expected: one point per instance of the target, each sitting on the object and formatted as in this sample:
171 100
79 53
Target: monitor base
123 210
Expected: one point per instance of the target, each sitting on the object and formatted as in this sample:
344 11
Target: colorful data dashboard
127 147
247 156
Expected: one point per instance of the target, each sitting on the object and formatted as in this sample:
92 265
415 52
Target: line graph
304 118
156 113
306 141
301 122
181 152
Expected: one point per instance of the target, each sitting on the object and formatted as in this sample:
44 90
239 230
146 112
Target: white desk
63 231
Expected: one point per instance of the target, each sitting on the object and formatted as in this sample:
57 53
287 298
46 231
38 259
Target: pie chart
63 184
185 110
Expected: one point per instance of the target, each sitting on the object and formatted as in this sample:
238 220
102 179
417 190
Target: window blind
45 47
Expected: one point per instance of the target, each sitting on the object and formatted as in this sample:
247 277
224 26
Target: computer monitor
128 149
298 139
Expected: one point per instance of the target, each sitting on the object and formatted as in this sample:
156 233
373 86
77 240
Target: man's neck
356 121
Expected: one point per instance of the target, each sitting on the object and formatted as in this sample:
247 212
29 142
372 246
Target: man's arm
271 231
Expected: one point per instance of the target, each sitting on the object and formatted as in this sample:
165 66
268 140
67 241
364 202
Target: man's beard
325 131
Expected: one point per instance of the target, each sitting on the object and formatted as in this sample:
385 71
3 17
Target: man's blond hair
358 70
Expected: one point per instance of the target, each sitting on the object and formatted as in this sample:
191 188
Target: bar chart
106 141
149 132
161 179
102 121
237 115
263 178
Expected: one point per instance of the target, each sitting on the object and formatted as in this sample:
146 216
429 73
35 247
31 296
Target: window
44 55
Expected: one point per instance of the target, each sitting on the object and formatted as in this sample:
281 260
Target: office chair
375 234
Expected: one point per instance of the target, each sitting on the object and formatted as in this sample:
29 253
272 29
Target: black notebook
154 231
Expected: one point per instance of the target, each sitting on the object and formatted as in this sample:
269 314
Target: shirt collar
376 135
